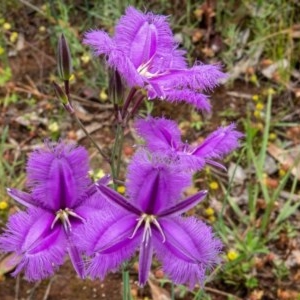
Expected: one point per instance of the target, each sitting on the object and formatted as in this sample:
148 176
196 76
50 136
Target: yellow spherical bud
255 98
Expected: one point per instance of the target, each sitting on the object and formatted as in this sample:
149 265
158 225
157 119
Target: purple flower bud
116 87
64 60
60 94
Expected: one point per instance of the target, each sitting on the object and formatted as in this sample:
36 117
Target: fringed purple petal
108 239
116 58
155 182
158 133
145 259
175 61
76 258
41 249
126 69
21 197
200 101
58 175
220 142
184 205
100 42
190 162
203 77
142 36
189 251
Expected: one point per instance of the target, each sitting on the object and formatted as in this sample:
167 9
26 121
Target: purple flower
144 52
162 135
62 197
150 220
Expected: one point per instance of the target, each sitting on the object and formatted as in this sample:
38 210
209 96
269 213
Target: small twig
17 287
47 292
218 292
32 291
33 7
89 136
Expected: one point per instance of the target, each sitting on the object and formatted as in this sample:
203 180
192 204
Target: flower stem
70 109
172 291
126 283
127 101
90 137
117 152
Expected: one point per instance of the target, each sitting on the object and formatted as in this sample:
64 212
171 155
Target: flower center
143 70
63 215
147 220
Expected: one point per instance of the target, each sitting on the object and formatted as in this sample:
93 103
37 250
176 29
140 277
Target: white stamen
159 229
147 233
63 215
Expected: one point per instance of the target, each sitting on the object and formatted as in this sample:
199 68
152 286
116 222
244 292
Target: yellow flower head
85 58
232 255
271 91
257 114
53 127
282 172
272 136
97 175
13 37
42 29
253 79
214 185
259 106
6 26
211 219
121 189
103 96
209 211
3 205
255 98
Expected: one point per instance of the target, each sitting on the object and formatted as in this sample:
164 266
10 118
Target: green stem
115 169
126 284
